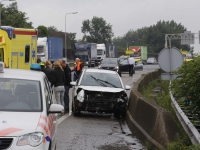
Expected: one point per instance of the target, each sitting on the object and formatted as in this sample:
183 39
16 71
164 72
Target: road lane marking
61 119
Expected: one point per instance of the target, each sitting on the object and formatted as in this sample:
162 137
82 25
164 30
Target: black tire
117 113
49 146
120 74
123 112
76 111
133 71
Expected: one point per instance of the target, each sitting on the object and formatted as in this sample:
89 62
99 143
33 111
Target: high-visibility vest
79 66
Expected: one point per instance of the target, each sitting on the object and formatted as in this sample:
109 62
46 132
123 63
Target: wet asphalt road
93 131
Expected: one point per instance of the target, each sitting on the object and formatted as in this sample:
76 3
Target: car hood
102 89
18 123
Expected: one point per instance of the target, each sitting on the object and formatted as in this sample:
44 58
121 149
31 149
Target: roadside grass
158 91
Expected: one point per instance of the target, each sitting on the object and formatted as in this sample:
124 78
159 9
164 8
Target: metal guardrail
189 128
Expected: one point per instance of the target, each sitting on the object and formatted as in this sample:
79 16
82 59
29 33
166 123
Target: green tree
97 30
188 85
52 29
153 37
42 31
72 37
11 16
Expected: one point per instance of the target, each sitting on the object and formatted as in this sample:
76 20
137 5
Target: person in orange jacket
78 66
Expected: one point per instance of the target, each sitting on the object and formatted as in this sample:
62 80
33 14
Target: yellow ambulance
18 47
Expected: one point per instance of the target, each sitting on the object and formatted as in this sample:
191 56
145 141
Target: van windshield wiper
98 81
104 82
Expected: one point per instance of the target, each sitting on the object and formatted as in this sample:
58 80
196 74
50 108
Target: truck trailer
50 48
18 47
86 52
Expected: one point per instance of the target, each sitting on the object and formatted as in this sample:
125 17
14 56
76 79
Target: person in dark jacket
67 71
58 80
48 69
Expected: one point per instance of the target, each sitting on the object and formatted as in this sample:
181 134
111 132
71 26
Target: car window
20 95
109 61
89 79
48 94
124 62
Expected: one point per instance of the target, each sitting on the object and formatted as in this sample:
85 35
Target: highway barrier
148 121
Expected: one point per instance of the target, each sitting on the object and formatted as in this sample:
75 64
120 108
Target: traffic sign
170 59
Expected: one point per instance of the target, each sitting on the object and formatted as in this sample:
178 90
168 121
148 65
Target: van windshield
20 95
40 49
81 53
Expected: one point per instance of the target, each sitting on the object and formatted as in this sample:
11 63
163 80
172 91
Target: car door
124 65
52 122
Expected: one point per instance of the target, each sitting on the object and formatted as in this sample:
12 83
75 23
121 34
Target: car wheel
117 113
76 111
123 112
133 71
120 74
49 146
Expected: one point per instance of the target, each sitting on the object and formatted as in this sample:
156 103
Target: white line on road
61 119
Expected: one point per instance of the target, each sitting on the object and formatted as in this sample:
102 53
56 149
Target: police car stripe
8 131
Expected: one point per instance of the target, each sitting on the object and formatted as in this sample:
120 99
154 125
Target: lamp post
65 32
0 9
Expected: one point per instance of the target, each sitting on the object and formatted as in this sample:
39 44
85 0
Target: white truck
101 51
42 48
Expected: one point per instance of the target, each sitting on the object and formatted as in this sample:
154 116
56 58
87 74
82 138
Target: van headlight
32 139
117 67
86 62
99 67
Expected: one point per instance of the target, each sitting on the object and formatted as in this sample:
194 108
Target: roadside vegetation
187 86
158 91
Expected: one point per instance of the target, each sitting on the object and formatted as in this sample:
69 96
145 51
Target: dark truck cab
86 52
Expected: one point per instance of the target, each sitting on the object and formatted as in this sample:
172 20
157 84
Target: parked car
124 66
98 90
151 60
27 110
110 64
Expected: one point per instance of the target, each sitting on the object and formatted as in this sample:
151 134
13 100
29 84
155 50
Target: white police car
27 111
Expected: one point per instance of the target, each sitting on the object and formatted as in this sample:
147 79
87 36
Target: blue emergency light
36 67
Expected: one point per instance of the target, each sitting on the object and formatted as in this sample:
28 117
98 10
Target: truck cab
86 52
101 51
42 48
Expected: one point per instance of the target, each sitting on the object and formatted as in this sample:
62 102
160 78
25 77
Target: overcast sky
123 15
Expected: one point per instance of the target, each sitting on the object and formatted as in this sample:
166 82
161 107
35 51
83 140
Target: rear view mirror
56 108
73 83
127 87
